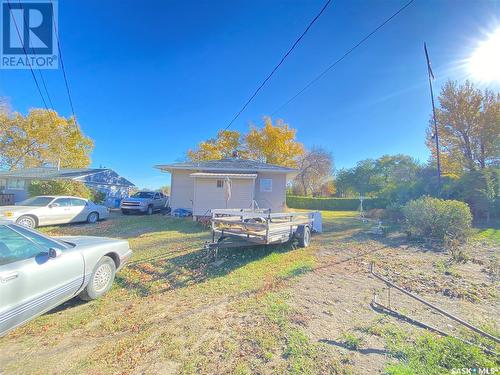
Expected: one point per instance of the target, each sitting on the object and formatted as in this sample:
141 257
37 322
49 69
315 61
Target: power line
68 91
279 64
347 53
34 53
26 54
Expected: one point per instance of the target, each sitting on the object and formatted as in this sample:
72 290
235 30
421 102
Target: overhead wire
279 64
344 56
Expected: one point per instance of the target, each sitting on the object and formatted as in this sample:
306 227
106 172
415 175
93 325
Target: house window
266 185
220 184
15 184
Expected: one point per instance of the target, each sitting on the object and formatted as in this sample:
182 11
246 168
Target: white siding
275 199
207 195
181 190
204 192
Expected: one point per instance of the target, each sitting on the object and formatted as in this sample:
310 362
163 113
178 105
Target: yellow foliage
223 146
274 144
42 137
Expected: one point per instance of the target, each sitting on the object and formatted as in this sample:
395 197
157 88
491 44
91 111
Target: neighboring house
202 186
107 181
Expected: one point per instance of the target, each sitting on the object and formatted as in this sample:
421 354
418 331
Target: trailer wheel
305 239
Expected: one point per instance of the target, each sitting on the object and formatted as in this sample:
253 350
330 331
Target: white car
49 210
38 272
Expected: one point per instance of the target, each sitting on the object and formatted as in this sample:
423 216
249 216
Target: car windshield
36 201
40 240
143 194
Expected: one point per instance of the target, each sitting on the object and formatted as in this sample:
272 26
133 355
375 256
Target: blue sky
151 79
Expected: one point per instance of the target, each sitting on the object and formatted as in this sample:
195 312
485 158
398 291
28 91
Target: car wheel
101 280
306 237
92 218
150 210
27 221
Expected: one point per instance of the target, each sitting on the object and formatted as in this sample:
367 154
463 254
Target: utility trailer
247 227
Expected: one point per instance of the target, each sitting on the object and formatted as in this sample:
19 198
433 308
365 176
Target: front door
31 282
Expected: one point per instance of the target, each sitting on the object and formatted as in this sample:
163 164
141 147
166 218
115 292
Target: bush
97 196
64 187
480 189
331 204
444 220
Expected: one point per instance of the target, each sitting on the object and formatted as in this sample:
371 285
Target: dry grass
174 311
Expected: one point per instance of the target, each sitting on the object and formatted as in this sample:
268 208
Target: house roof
249 176
52 173
228 164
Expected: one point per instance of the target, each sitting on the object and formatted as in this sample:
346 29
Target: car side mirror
54 253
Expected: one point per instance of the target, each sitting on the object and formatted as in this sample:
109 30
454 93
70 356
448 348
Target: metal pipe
445 313
377 305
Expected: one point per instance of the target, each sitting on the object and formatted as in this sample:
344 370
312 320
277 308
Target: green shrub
64 187
433 218
59 187
97 196
331 204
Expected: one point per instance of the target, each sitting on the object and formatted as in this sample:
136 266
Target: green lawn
173 310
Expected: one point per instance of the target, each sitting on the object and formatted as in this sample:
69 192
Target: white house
227 183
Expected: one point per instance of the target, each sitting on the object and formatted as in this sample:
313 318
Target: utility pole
436 134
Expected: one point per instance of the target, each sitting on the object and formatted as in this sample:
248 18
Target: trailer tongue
244 227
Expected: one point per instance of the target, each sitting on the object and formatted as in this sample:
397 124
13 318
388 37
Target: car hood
91 240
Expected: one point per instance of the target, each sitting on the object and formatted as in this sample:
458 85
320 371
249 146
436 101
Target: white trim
243 176
168 168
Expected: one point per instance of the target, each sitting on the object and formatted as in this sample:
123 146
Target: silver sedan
50 210
38 273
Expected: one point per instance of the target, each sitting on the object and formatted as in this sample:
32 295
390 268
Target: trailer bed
241 227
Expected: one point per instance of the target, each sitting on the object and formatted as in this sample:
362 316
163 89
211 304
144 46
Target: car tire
305 239
125 212
93 218
150 210
101 279
27 221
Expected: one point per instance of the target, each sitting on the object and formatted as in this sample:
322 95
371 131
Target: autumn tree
274 144
392 177
468 121
316 168
223 146
42 137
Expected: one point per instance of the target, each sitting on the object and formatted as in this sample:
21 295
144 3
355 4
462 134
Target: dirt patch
334 301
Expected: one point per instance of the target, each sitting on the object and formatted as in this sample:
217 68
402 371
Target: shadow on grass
341 344
75 301
161 275
483 224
